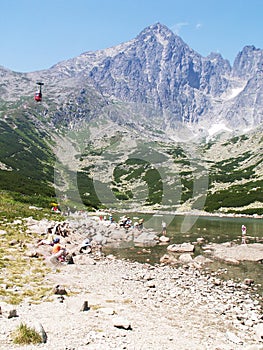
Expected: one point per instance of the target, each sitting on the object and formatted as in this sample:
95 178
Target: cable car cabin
38 96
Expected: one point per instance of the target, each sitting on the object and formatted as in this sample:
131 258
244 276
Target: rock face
158 70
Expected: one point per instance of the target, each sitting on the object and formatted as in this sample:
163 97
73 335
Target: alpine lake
188 228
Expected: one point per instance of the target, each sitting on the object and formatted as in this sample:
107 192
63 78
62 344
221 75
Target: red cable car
38 94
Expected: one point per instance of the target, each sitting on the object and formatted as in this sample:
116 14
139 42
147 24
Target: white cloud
176 28
198 26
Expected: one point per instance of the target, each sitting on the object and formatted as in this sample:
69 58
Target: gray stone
85 306
60 290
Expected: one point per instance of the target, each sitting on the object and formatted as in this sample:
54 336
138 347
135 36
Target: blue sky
38 34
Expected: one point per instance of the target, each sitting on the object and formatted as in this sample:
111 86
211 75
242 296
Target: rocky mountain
158 73
140 113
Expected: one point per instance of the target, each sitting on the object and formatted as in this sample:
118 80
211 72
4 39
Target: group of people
58 252
127 223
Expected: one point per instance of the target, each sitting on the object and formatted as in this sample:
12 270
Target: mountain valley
147 125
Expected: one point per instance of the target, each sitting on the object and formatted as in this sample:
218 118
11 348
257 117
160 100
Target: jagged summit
157 29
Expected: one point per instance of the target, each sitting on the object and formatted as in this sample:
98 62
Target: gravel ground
155 308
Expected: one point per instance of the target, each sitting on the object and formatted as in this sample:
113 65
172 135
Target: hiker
163 228
243 232
123 221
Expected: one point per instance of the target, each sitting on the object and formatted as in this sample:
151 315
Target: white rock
181 248
120 322
164 239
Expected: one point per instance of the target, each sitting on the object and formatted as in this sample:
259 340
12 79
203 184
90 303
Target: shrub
25 335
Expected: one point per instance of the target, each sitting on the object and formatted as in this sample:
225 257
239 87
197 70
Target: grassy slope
28 159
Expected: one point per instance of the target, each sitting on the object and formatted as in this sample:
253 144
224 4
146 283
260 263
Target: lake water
214 229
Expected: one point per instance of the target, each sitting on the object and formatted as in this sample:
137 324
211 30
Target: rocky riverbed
100 302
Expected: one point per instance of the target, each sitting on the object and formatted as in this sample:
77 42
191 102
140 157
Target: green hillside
26 160
120 169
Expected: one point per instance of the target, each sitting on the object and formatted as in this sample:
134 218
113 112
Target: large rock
235 253
185 258
181 248
145 239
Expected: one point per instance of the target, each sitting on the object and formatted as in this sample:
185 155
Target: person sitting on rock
85 245
140 226
58 252
123 221
128 223
64 228
49 240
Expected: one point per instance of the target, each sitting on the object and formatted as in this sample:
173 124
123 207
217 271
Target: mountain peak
157 29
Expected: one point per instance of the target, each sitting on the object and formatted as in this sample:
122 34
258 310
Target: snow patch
233 93
163 41
218 127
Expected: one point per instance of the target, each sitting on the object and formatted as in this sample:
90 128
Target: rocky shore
100 302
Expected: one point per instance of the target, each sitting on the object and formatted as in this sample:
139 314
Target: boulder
145 239
60 290
85 306
233 338
37 326
168 259
107 310
164 239
185 258
200 259
181 248
235 253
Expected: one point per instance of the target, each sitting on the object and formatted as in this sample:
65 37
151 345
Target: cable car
38 94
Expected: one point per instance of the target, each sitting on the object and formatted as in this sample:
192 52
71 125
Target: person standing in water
163 228
243 232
